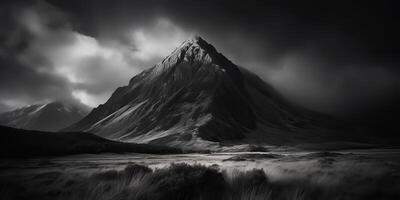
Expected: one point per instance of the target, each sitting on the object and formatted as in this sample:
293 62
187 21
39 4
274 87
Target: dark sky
336 57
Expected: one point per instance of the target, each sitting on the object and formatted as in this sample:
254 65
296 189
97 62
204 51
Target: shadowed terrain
24 143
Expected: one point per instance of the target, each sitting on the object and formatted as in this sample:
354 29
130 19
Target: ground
346 174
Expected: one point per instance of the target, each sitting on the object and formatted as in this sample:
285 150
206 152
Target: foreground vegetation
183 181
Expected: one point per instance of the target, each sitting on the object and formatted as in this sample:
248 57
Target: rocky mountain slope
197 97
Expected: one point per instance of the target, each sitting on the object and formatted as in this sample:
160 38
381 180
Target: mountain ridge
51 116
195 96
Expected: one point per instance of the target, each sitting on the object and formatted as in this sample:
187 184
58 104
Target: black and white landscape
199 100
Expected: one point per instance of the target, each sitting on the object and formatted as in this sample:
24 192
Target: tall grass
178 181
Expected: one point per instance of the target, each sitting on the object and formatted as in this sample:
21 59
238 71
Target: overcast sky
332 57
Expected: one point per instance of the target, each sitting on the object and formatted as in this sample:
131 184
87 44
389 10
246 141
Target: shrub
247 185
183 181
136 171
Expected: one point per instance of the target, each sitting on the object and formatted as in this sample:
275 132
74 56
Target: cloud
89 99
335 89
89 69
159 40
81 59
21 85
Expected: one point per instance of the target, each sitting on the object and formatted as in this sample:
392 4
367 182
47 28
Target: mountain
18 143
45 117
197 97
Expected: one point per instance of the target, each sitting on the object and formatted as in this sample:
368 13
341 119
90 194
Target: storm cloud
335 57
44 58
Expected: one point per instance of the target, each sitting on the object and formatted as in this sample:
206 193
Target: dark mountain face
44 117
196 96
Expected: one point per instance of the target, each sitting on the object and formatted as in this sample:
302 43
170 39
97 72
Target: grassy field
81 166
185 181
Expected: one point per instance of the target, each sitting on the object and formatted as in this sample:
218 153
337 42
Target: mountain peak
195 51
197 37
198 42
194 39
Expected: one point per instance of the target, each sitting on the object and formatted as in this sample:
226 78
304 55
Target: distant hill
45 117
18 143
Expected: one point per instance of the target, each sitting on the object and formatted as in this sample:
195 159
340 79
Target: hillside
18 143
